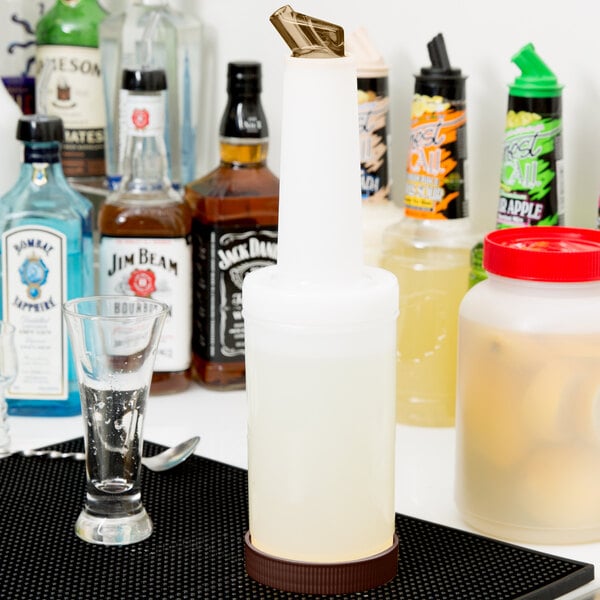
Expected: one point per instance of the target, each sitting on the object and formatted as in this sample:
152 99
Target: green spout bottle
531 182
531 179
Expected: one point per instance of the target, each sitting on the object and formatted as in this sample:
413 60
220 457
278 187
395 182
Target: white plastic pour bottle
320 342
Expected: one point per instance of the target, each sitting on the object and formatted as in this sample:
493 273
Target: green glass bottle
476 273
69 82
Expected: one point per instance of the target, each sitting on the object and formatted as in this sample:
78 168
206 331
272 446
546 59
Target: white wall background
480 36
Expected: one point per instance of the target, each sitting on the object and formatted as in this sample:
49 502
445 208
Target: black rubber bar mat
199 510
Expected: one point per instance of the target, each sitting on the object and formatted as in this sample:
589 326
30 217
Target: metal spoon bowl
167 459
171 457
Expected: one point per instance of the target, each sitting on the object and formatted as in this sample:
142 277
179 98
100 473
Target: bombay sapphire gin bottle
47 258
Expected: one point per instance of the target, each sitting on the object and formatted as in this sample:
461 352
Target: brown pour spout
307 36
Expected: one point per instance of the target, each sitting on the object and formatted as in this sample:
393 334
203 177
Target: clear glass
152 35
42 198
114 340
8 371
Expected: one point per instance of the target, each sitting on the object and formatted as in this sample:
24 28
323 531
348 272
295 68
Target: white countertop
424 456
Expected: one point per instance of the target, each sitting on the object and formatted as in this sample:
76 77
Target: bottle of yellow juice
428 250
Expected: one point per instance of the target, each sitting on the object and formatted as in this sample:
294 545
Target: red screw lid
567 254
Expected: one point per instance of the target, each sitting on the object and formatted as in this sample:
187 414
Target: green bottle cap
536 79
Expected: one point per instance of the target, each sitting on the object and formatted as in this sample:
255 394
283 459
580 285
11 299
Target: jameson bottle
428 250
234 230
145 246
69 83
47 258
531 179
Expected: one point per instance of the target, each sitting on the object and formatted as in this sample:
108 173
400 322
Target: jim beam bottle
145 245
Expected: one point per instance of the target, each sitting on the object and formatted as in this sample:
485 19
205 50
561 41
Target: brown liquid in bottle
147 218
240 193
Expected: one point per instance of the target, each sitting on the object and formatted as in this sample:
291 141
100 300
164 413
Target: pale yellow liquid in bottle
433 280
320 493
528 434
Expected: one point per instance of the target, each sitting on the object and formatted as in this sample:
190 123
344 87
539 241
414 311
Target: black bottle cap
440 79
40 128
244 77
139 80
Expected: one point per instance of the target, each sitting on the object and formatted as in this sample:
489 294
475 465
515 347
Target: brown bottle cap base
321 578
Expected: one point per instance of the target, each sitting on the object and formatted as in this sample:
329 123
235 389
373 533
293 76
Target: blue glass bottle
46 258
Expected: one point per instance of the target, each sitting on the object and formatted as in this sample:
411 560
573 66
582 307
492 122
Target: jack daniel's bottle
145 247
234 230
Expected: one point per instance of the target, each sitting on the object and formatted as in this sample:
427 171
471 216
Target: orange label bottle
428 250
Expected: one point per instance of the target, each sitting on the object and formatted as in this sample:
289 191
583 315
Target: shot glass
114 341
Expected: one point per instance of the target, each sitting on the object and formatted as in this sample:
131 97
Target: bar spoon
167 459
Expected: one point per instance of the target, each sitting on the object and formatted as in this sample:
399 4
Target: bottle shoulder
71 26
138 15
54 198
431 232
241 195
230 181
122 216
532 306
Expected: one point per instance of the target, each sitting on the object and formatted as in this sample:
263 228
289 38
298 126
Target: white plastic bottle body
320 339
321 434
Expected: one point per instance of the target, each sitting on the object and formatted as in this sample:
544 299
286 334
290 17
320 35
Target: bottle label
145 114
373 121
69 86
435 181
140 115
34 263
222 258
531 183
158 268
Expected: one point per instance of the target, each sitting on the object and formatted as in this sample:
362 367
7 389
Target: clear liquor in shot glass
114 341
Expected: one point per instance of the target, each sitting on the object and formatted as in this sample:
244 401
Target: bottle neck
145 166
243 152
151 3
244 132
41 163
319 105
41 152
82 3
